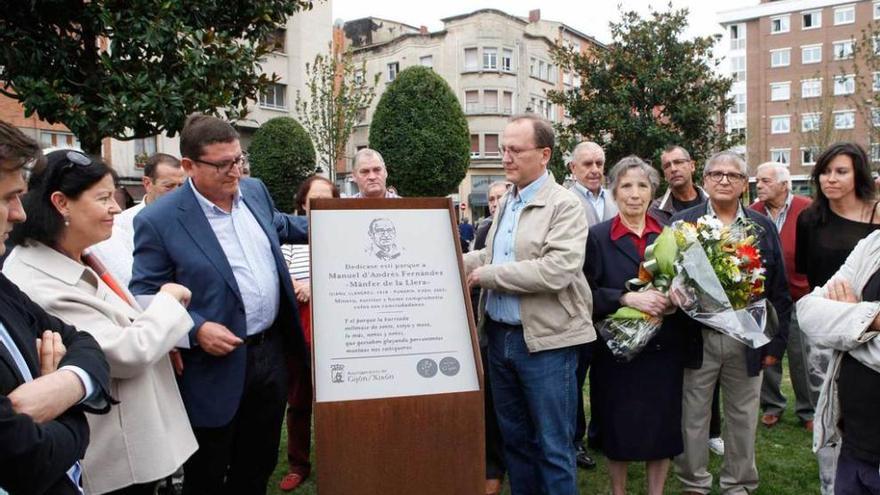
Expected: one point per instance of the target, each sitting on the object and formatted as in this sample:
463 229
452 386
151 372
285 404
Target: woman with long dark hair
147 436
844 211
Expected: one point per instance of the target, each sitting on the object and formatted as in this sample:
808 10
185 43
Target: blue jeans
536 404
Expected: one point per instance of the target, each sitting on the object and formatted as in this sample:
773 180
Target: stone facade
496 63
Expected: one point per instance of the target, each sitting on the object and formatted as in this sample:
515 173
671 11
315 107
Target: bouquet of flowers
711 271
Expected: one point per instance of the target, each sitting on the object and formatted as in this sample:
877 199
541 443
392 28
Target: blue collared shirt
503 306
75 471
596 200
249 254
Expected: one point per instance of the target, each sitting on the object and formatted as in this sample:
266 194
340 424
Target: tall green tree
138 68
648 88
338 96
282 156
421 131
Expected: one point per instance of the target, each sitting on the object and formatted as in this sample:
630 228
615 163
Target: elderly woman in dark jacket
637 404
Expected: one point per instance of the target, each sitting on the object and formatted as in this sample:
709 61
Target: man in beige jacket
535 309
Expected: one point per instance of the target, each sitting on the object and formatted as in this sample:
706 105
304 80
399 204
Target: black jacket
775 289
34 458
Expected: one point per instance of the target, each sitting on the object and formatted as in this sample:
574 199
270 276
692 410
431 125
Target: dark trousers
494 447
585 355
239 457
855 476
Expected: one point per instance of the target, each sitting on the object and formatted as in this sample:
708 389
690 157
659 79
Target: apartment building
497 64
799 81
305 35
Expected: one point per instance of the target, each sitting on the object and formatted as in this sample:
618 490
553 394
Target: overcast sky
588 16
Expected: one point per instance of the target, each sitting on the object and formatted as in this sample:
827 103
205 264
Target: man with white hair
370 175
587 165
777 202
713 357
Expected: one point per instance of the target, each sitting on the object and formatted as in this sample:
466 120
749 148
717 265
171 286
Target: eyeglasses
590 163
225 167
676 162
515 153
732 177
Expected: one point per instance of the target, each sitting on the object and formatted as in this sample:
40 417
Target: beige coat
844 328
146 436
551 238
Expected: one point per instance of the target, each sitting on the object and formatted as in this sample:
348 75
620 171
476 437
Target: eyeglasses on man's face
733 177
514 152
225 166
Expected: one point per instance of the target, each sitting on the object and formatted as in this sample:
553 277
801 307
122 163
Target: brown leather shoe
808 425
493 486
769 420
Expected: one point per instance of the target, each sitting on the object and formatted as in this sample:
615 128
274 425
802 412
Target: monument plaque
397 312
398 395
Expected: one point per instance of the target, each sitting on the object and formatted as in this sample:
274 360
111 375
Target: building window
780 58
780 156
470 59
780 124
471 101
876 81
507 102
876 10
490 101
810 122
845 15
844 85
808 155
475 145
274 97
276 41
490 58
845 119
507 60
393 70
492 147
143 148
533 67
359 77
843 49
811 54
875 152
780 91
780 24
427 61
738 68
875 117
811 88
52 139
737 36
811 20
739 104
361 116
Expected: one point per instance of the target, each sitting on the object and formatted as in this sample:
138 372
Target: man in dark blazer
715 357
44 390
220 236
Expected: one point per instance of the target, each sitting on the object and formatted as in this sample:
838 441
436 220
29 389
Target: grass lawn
786 464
